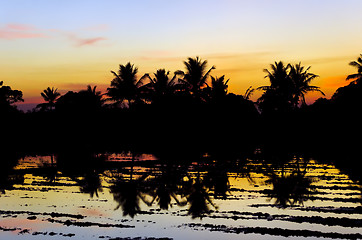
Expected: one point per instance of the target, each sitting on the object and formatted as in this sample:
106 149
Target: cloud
13 31
79 42
89 41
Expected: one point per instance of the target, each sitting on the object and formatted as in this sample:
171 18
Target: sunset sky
69 44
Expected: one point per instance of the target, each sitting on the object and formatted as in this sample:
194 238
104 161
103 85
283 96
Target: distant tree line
186 109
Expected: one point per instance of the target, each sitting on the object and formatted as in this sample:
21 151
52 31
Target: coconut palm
125 85
50 96
161 85
301 79
248 93
219 87
195 77
93 97
279 95
357 64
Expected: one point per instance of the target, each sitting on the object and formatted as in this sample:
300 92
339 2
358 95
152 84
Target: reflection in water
194 187
90 183
166 186
8 177
290 185
217 180
198 196
128 192
96 190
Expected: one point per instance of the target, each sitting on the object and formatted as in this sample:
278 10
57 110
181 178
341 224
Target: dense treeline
187 111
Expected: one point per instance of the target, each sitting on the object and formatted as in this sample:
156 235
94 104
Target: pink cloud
13 31
79 42
19 31
89 41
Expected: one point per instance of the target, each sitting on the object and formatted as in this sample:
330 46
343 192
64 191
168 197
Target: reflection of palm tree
217 179
50 95
198 197
128 192
125 85
8 177
195 77
91 183
290 188
357 64
167 188
301 79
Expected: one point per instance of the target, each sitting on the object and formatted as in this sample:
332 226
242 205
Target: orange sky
71 44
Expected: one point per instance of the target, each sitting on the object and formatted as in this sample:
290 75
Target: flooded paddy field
120 196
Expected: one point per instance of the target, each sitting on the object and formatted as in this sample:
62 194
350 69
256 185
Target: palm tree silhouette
301 79
161 85
94 97
50 95
356 76
219 87
93 91
195 77
248 93
277 96
125 85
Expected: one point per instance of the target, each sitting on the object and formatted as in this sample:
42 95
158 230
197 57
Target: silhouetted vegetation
192 113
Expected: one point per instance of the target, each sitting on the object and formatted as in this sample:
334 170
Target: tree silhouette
248 93
94 97
9 96
357 64
50 95
219 88
195 77
288 86
161 85
278 96
125 85
301 79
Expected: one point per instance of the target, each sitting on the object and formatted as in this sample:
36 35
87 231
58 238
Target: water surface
120 196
